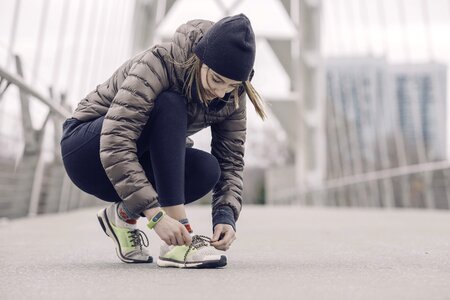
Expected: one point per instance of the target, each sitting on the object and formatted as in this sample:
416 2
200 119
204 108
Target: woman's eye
216 80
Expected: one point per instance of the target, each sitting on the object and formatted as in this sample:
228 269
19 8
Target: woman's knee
213 169
204 164
167 119
171 101
202 174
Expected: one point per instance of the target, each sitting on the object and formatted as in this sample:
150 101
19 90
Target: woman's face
215 85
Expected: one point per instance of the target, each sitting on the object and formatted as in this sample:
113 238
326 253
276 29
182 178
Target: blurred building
420 92
382 121
356 107
382 116
386 132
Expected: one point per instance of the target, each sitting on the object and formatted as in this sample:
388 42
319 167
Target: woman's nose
220 92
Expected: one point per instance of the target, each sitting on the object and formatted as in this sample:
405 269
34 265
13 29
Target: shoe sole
167 263
104 223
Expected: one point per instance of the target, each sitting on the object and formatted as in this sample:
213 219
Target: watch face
157 216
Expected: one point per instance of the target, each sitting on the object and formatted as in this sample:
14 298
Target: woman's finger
233 238
187 238
180 239
217 231
219 244
228 235
173 240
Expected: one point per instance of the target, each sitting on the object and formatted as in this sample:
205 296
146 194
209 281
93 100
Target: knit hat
228 47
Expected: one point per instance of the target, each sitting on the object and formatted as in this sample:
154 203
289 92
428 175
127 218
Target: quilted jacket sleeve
228 146
123 124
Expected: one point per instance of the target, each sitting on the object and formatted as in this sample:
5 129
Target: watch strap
155 219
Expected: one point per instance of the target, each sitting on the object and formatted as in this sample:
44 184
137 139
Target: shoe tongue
123 218
200 242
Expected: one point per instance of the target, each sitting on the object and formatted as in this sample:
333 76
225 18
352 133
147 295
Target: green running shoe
128 238
199 255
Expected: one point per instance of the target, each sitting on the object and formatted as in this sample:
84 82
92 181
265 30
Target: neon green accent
124 239
177 253
155 219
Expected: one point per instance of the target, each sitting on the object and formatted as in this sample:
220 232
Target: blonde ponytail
256 99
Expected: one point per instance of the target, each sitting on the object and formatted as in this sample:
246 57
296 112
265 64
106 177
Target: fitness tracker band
155 219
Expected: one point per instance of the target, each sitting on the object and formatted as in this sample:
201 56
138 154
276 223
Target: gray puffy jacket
127 98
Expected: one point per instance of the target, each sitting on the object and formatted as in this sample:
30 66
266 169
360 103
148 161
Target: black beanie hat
228 47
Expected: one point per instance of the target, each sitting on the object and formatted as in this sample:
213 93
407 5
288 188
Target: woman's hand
223 237
172 232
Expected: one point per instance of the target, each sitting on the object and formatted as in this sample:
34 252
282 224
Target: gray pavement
280 253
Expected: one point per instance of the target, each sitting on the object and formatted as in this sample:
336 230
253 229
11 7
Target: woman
127 141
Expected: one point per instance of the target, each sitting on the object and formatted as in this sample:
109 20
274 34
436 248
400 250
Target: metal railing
32 176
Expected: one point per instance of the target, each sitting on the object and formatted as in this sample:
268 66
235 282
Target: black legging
180 175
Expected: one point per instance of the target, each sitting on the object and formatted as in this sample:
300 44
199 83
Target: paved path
280 253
